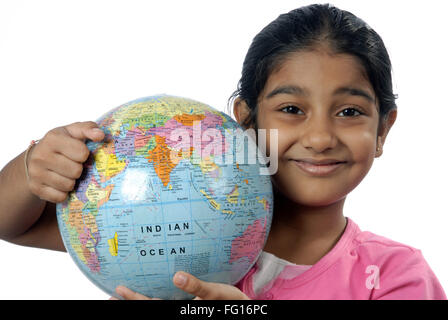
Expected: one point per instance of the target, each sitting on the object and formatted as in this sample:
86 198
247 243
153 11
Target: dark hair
306 28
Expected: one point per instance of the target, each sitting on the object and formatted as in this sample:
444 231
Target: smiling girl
322 78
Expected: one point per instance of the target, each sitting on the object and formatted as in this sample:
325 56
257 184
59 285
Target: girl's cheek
277 137
362 146
278 142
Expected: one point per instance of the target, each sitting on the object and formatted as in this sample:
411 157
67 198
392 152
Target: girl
322 78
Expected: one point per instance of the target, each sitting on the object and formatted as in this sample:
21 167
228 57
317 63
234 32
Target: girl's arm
27 205
21 210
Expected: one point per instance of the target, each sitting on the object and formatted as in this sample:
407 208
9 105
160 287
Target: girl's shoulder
366 240
393 266
380 250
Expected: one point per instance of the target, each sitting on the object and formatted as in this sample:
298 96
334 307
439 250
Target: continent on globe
113 245
249 244
80 220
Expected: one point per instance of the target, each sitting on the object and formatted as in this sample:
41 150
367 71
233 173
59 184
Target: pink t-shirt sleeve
408 277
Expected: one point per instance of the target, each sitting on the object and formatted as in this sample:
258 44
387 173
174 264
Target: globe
173 186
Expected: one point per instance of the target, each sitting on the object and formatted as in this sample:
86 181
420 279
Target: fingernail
180 279
97 130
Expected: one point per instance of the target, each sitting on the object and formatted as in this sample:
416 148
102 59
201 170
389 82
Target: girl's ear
387 123
241 111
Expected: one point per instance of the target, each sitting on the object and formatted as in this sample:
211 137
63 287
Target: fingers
57 160
58 182
192 285
51 187
47 193
128 294
201 289
73 149
70 140
53 178
56 163
85 130
207 290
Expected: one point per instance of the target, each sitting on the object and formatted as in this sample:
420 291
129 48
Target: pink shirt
361 265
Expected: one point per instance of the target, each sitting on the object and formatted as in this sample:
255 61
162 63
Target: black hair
306 28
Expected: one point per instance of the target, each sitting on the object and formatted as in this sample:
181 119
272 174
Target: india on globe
175 185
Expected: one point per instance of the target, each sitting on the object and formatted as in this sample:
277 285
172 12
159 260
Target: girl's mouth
319 168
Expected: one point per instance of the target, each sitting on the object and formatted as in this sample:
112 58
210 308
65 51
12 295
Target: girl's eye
350 112
291 109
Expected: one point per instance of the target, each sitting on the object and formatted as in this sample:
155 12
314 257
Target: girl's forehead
319 69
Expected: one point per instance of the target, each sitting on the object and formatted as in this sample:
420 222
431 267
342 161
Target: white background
66 61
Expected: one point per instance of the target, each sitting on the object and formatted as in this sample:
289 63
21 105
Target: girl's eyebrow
288 89
298 91
354 92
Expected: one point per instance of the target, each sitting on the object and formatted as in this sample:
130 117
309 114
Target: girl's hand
201 289
56 162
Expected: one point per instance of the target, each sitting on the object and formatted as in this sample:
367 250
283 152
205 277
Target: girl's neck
302 234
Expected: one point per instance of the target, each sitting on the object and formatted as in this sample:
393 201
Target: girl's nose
318 135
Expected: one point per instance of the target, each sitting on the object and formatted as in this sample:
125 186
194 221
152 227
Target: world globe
171 187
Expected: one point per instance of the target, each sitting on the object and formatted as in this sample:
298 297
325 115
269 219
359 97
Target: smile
316 169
